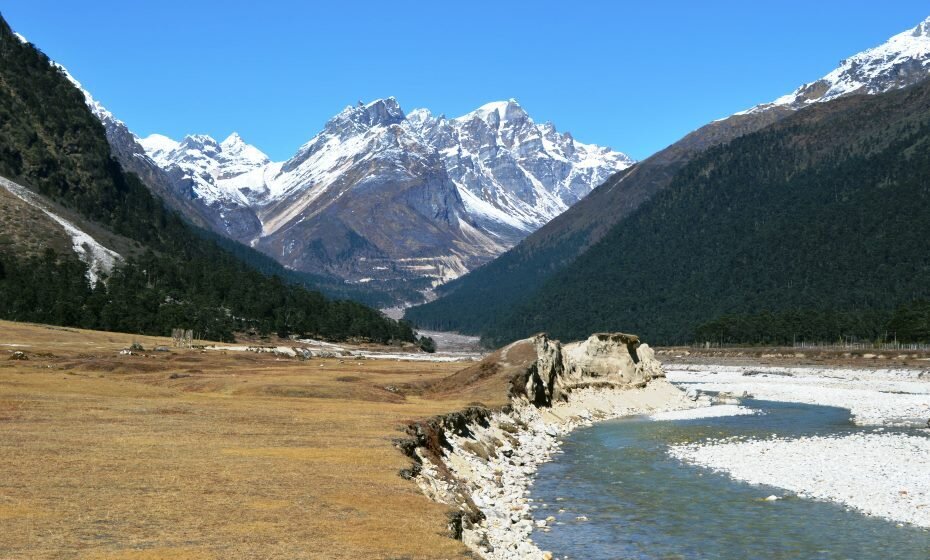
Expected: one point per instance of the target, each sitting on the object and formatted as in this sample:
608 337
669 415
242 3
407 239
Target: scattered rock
18 355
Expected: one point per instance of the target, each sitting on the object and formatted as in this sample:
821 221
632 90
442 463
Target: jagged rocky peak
360 117
201 142
233 154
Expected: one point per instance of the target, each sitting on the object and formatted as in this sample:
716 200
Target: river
615 493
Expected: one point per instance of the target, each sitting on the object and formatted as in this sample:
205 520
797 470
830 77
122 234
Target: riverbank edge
482 462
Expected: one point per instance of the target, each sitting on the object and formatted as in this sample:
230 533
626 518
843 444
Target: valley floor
208 453
248 451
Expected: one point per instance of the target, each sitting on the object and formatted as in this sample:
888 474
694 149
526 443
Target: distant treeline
173 276
214 295
908 323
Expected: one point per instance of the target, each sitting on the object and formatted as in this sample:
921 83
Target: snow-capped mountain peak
514 175
902 60
497 112
234 152
158 146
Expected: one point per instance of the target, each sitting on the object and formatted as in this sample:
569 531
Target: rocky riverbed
879 397
878 474
483 464
882 473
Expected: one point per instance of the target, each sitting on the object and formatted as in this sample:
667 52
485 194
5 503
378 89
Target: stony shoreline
883 397
494 464
854 470
851 470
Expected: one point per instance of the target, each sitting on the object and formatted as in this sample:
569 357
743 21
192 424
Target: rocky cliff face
369 201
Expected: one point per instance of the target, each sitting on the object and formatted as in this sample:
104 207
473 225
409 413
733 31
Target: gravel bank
878 474
704 412
881 474
892 397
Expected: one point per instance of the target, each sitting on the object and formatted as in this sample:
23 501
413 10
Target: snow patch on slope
99 260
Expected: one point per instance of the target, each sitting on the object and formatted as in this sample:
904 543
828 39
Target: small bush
427 344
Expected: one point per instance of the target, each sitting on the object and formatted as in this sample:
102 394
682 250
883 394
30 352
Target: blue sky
632 75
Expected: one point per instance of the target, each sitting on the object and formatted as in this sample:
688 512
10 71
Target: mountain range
500 292
379 198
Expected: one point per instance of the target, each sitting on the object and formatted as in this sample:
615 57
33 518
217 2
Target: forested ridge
173 276
815 228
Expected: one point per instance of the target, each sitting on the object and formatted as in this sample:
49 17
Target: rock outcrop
612 360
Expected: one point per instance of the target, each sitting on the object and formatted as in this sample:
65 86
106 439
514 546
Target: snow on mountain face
513 174
158 147
369 200
99 259
209 165
902 60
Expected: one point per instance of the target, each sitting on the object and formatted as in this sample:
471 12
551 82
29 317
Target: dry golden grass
241 455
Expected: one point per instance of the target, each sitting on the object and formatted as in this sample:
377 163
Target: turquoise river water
642 504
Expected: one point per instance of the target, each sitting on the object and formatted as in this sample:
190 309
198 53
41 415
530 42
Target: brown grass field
191 454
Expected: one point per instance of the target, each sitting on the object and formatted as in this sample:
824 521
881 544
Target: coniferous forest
173 276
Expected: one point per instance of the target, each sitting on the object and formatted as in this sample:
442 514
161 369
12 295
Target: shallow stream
639 503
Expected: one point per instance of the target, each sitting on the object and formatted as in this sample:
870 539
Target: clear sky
635 76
